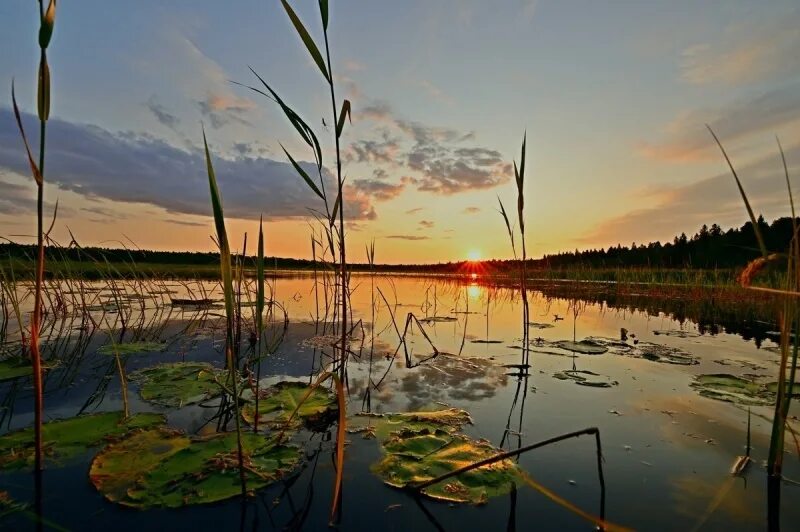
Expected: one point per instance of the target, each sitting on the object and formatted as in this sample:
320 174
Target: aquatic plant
46 25
230 317
790 316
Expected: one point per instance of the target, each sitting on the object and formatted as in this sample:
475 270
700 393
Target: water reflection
510 393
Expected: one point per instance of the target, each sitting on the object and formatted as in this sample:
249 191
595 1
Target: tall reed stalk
227 288
46 24
790 316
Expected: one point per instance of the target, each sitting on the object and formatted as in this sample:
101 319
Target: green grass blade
305 132
260 281
345 113
303 174
757 230
323 11
336 205
508 225
222 236
47 23
44 89
37 176
307 40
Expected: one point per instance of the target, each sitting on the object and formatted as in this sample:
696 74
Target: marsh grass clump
789 315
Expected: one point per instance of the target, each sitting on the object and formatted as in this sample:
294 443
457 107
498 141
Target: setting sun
473 254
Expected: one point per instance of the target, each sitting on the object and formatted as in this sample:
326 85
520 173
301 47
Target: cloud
374 151
377 112
435 92
426 224
414 210
445 172
711 200
408 237
746 53
138 168
437 157
352 65
223 109
379 190
471 210
687 138
162 115
529 9
16 198
189 224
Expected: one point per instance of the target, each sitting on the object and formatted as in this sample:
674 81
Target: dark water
667 450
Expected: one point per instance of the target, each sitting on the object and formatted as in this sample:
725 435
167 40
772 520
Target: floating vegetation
15 367
277 403
536 325
178 384
413 457
647 350
486 341
67 438
381 426
585 347
584 378
176 302
130 348
678 333
735 389
164 468
438 319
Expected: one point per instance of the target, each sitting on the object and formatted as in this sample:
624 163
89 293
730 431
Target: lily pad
278 402
130 348
177 384
12 368
166 469
415 457
67 438
585 378
438 319
647 350
382 426
586 347
735 389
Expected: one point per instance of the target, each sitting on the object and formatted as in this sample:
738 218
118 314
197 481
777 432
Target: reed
230 317
790 316
46 25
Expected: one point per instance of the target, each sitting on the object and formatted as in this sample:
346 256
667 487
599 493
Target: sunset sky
613 95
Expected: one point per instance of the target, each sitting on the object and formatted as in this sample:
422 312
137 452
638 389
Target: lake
638 368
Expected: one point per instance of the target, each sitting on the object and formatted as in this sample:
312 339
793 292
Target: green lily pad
382 426
177 384
585 347
580 377
662 354
12 368
735 389
130 348
118 467
415 457
278 402
67 438
166 469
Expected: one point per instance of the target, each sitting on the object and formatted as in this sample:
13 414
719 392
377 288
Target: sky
613 97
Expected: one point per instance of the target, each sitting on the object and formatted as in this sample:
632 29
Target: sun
473 255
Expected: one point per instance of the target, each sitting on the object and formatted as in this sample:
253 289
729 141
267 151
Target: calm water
668 451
